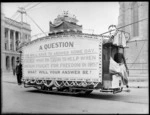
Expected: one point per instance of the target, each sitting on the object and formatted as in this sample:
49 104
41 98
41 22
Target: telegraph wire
40 7
26 5
138 55
17 16
100 34
14 15
33 6
13 20
125 26
36 24
132 23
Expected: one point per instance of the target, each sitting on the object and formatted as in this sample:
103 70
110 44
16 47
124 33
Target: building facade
11 39
133 17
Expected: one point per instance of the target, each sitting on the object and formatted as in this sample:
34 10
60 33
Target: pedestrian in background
19 72
14 70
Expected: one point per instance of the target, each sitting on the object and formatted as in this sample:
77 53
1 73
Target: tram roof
56 36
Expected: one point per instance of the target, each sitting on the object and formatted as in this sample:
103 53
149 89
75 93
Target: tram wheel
88 92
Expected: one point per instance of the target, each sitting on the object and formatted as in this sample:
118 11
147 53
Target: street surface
17 99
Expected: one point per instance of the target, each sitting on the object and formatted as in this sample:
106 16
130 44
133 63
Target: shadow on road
10 82
122 97
107 96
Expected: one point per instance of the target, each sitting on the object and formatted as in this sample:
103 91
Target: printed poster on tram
66 58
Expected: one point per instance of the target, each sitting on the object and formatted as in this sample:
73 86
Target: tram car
70 61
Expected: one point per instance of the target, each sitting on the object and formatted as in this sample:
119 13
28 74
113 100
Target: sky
95 17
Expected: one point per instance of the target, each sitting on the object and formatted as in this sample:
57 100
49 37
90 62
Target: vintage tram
69 61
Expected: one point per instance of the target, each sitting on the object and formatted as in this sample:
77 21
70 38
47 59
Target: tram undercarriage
74 89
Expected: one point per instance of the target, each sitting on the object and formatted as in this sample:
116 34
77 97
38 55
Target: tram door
108 51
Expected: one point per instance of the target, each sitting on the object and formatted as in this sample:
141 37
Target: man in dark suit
112 32
19 72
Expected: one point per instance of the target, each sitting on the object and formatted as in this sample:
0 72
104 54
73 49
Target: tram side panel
63 61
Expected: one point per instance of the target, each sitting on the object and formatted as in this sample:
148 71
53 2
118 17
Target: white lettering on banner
66 58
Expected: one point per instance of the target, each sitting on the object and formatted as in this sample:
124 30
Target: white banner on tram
65 58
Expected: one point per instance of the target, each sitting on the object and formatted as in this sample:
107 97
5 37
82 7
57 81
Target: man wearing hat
19 72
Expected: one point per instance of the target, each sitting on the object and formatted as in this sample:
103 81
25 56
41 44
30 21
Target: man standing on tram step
120 59
112 31
19 72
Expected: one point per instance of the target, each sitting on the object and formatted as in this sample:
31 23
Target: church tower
133 17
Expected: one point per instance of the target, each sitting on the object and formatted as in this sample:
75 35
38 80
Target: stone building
11 39
137 51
